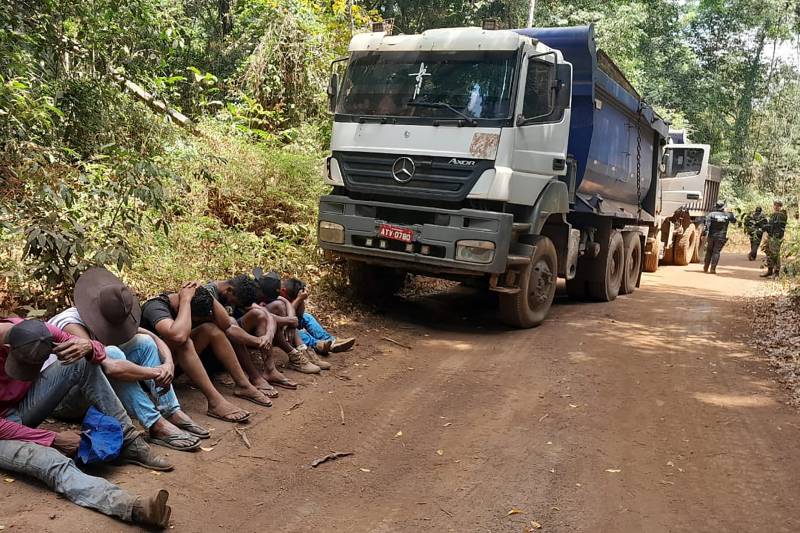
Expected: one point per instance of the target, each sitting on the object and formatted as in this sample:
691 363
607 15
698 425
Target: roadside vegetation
172 140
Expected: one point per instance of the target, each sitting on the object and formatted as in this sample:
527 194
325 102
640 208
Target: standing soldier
776 227
717 232
754 226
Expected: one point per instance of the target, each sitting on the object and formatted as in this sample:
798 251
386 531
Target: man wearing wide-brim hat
108 311
29 394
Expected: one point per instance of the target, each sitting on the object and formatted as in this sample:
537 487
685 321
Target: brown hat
107 306
31 345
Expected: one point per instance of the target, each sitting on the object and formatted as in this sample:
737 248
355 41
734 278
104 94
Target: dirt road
647 414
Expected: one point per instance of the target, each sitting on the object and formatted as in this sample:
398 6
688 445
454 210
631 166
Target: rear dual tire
601 278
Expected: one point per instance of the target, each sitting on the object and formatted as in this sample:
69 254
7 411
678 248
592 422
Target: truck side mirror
333 92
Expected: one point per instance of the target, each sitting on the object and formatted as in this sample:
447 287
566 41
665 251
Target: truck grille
709 199
435 178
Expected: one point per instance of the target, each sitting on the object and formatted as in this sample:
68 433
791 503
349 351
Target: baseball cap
31 344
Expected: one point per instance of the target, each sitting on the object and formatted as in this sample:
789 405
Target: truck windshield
685 162
437 85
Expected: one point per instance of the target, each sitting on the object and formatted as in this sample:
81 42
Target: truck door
543 113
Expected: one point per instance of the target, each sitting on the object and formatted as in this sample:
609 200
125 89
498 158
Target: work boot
323 347
315 359
342 345
138 452
713 270
153 511
705 269
298 361
767 274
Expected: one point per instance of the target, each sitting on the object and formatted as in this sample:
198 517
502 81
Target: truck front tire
684 246
652 250
529 307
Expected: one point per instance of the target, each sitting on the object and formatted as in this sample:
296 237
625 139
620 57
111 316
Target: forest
184 139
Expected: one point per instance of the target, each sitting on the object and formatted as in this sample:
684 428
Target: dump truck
688 192
504 158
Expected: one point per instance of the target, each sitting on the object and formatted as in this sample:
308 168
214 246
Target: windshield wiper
444 105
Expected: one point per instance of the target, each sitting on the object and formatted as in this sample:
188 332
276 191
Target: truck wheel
529 307
651 252
633 261
605 281
684 246
371 283
696 255
669 256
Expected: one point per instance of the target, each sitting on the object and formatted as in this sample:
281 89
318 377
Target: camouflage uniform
776 227
717 230
754 227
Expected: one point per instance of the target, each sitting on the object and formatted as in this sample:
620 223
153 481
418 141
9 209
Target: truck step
505 290
518 260
521 227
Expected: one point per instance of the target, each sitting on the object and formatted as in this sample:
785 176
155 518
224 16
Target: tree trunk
225 18
741 127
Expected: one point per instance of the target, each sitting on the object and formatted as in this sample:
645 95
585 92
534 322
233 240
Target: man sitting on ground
108 311
301 357
28 395
192 323
311 331
252 328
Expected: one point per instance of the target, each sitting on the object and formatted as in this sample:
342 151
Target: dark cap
31 345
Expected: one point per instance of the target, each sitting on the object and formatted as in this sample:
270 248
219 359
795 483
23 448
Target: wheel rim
633 262
541 284
617 260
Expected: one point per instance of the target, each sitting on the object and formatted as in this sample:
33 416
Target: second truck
510 157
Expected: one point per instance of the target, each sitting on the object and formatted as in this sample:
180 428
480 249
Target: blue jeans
142 350
311 331
62 475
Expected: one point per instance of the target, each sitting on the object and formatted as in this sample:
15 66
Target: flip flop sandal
195 429
283 383
254 400
226 418
268 392
169 442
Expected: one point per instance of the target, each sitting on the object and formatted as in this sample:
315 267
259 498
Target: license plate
396 233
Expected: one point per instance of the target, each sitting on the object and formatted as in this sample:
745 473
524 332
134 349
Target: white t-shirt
62 320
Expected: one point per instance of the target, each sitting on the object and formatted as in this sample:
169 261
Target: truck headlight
475 251
331 232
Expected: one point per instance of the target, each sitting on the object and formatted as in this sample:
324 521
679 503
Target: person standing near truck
754 226
776 227
717 233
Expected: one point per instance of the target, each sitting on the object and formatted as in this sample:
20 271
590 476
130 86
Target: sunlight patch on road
443 343
580 357
733 400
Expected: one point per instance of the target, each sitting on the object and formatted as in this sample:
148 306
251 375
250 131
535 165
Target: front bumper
437 229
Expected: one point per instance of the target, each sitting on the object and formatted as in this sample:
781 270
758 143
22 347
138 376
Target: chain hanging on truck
639 161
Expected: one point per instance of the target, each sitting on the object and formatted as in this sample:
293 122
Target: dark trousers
755 242
714 247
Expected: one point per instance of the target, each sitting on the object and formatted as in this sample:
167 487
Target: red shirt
13 391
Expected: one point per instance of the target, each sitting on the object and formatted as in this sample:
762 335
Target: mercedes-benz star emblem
403 169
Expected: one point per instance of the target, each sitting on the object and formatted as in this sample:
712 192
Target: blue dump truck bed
608 116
